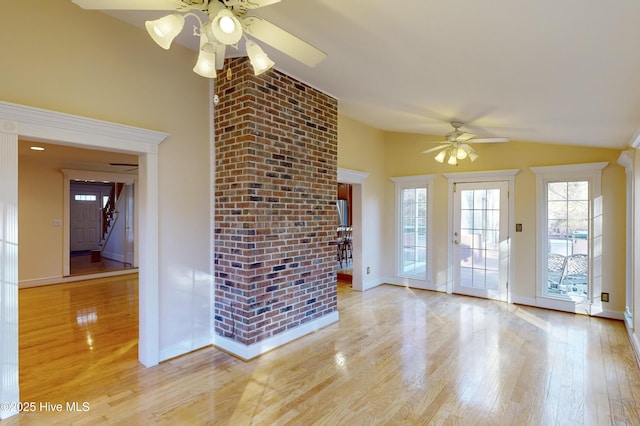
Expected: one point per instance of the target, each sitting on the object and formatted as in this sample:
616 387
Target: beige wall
60 57
40 204
40 198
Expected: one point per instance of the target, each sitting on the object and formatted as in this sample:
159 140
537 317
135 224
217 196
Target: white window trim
626 160
408 182
591 172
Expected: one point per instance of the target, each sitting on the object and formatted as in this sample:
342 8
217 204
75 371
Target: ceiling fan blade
285 42
467 147
490 140
465 137
249 4
437 148
128 4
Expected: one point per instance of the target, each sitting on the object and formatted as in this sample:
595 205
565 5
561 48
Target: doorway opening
101 221
36 124
344 234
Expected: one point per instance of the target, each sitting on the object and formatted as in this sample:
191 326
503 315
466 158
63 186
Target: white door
85 220
481 239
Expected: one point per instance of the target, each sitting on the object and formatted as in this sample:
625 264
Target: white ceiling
543 71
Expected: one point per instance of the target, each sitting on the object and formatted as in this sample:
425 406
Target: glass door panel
480 248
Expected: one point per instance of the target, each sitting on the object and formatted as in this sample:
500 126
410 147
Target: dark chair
342 245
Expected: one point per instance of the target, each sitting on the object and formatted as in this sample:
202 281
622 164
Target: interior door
481 239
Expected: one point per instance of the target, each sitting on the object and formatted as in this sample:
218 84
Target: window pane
414 232
578 190
557 191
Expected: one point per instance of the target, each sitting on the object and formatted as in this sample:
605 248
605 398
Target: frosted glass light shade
225 28
164 30
206 64
453 161
259 60
441 155
473 156
461 154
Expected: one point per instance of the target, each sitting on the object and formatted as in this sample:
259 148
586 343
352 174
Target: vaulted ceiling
542 71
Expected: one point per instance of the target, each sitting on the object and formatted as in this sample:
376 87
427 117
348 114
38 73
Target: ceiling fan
226 23
458 145
130 166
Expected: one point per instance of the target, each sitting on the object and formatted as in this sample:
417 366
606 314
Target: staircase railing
109 212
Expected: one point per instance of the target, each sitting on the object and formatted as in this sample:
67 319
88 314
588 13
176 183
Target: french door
481 239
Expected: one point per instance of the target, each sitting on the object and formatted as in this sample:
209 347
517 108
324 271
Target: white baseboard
519 300
595 310
373 283
185 347
38 282
605 313
635 344
248 352
411 283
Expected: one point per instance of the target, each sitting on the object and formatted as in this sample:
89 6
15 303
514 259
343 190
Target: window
567 237
84 197
569 232
413 230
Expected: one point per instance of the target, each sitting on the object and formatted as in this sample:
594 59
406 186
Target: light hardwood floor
397 356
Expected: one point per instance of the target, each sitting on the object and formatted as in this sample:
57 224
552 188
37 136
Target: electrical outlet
604 297
368 270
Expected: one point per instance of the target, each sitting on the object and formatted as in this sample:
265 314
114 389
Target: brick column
275 214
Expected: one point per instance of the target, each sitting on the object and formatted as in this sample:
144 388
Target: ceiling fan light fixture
461 153
206 64
453 161
259 60
441 155
226 27
165 29
473 156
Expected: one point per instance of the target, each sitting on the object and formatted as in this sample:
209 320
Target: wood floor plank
397 356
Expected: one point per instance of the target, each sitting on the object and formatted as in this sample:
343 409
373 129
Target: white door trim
508 175
356 179
65 129
69 175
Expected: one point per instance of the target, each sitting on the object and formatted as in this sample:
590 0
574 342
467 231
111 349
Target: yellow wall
60 57
400 155
403 158
361 148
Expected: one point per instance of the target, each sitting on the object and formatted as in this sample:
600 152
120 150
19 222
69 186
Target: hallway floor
84 264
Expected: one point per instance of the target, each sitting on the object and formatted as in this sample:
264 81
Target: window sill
564 303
